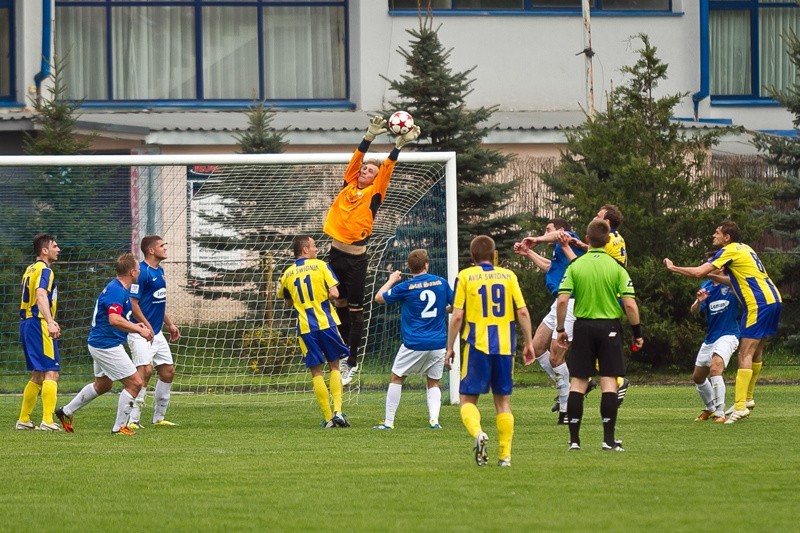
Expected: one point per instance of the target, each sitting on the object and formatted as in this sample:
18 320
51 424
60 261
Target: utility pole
588 53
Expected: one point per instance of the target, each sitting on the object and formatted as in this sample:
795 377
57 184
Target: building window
533 5
203 49
747 52
7 91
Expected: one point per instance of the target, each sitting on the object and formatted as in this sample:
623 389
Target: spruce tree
260 137
635 156
436 98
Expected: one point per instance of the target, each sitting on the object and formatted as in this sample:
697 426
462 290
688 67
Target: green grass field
232 468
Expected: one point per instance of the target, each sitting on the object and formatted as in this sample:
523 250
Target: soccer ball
401 122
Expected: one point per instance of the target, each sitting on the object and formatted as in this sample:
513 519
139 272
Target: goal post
228 220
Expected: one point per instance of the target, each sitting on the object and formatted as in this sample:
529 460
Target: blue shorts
766 324
41 350
324 346
479 370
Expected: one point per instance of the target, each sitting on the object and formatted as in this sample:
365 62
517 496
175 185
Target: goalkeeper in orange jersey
349 225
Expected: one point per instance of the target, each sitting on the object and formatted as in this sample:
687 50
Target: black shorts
351 271
596 341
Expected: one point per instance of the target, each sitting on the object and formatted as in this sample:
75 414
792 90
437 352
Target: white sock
138 403
124 406
706 394
718 385
162 400
86 395
392 402
434 403
544 361
562 384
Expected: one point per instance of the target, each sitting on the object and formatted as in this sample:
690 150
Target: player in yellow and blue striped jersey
39 332
309 285
761 302
487 297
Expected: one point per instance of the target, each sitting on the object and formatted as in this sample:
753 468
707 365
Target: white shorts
723 347
145 353
112 363
569 320
428 363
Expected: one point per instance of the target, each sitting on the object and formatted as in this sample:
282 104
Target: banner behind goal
229 221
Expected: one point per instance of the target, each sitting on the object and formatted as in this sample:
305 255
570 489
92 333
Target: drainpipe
47 34
703 93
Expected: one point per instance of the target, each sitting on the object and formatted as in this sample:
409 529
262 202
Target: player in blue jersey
485 302
424 301
39 333
720 306
550 355
149 302
761 312
309 285
111 322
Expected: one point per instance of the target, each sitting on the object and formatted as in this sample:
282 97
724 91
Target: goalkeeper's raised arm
349 225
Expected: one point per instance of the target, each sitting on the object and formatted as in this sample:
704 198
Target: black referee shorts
351 270
598 340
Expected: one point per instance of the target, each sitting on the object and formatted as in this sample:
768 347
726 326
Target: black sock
356 335
609 405
575 413
344 327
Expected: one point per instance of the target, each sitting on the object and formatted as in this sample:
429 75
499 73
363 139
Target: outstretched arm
692 272
394 277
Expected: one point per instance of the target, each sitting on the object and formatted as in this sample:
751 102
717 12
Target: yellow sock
619 382
743 376
29 396
321 392
336 390
505 432
49 393
471 418
752 385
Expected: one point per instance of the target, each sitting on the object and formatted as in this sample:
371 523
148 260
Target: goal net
228 221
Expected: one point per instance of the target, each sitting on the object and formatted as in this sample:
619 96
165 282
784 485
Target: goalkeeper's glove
406 138
377 125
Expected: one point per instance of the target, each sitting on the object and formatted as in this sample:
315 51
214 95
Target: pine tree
635 156
260 137
436 98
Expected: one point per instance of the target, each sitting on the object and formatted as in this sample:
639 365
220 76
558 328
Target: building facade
175 76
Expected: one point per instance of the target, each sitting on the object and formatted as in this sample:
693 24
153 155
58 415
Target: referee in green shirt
596 281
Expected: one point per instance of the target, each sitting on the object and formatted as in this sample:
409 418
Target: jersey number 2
429 297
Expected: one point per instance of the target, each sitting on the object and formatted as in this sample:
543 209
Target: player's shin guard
49 398
124 406
336 389
321 392
752 385
706 392
544 361
86 395
471 418
718 384
434 398
575 413
138 403
743 377
356 335
392 402
562 384
29 396
505 434
609 406
162 394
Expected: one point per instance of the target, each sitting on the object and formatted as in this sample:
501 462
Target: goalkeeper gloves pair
377 126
